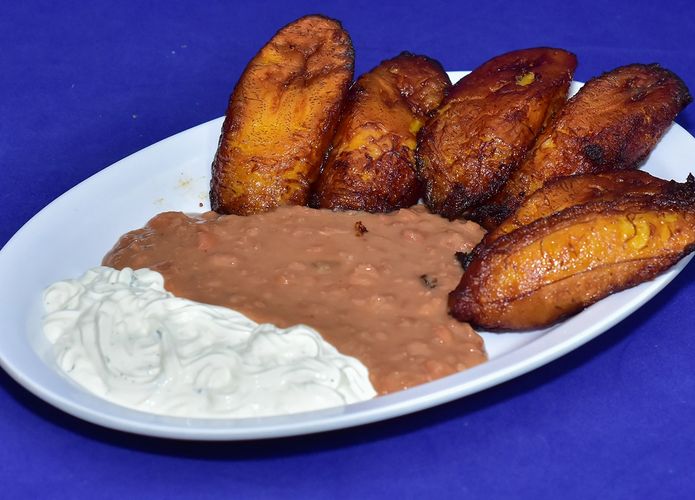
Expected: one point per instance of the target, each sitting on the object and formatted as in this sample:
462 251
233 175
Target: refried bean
374 285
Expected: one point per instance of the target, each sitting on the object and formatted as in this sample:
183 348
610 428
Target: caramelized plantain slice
371 165
486 124
612 123
281 117
554 267
564 192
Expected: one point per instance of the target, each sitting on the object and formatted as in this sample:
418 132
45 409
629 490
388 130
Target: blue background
85 84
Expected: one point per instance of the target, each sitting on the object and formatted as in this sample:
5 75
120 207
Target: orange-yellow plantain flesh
564 192
281 117
486 124
371 165
612 123
554 267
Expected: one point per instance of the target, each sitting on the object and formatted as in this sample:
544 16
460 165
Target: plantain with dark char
483 128
612 123
371 165
557 265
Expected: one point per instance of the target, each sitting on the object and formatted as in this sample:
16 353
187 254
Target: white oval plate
73 233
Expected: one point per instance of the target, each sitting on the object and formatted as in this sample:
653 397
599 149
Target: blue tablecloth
86 83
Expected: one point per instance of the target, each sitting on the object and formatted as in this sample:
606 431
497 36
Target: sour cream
122 336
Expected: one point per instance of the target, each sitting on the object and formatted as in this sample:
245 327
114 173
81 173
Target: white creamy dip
121 335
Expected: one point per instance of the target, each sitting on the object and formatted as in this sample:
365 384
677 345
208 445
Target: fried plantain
281 117
371 165
564 192
612 123
554 267
487 123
